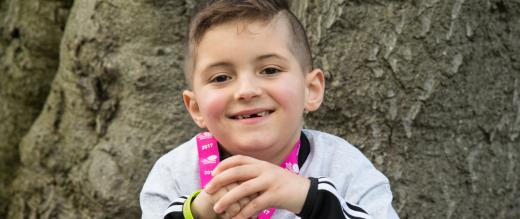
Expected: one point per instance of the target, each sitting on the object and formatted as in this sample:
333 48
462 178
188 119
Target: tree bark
428 90
29 51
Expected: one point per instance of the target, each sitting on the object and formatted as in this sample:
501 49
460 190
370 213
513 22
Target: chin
249 148
255 147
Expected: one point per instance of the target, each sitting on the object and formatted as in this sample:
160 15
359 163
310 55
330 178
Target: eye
220 78
270 71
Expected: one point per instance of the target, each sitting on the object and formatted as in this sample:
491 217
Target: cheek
212 106
290 97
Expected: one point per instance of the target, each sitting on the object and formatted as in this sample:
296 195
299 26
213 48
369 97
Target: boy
250 72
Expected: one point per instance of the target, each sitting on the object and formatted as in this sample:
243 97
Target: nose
247 89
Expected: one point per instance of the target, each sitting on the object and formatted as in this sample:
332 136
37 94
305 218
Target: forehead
277 26
250 38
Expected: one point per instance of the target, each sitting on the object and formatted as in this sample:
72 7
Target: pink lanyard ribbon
209 157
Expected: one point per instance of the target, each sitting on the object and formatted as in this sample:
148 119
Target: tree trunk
428 90
29 51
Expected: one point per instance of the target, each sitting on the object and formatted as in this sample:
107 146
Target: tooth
260 114
243 116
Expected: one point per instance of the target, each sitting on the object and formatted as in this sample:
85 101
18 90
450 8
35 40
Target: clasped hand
243 186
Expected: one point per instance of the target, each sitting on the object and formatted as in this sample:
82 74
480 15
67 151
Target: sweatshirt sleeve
159 197
174 210
351 187
323 201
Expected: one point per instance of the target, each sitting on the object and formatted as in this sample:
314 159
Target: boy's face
249 90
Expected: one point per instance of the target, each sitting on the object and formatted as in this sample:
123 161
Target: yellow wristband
186 208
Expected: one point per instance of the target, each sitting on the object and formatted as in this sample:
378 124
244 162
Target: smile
252 115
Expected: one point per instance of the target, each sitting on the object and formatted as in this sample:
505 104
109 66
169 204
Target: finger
253 196
254 207
232 210
235 174
231 186
235 207
243 202
218 194
245 189
233 161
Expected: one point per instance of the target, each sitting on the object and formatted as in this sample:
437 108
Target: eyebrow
270 55
259 58
218 64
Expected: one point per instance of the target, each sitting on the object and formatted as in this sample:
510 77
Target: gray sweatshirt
344 184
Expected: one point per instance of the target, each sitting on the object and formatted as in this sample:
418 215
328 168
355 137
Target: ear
193 107
314 89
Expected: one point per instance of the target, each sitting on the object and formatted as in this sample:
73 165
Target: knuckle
243 214
235 172
257 204
230 186
233 210
247 187
244 201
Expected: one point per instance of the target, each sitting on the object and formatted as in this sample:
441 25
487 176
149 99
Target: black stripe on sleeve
178 201
356 208
174 210
350 216
325 180
174 215
323 201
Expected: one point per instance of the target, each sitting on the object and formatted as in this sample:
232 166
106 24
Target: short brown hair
213 12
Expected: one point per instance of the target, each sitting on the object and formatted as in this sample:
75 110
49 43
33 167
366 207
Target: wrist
301 189
186 208
308 205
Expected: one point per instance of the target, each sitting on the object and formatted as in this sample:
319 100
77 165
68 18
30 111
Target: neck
274 156
278 157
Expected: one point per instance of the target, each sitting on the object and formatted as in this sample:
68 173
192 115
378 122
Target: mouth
242 116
